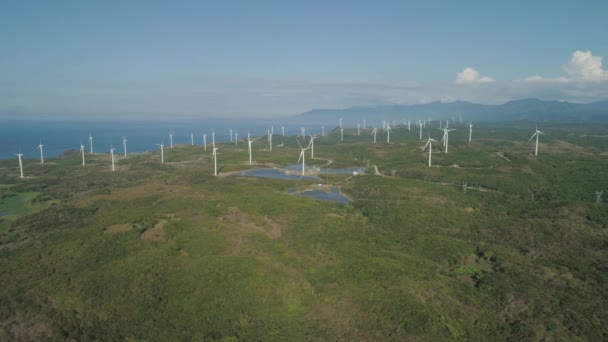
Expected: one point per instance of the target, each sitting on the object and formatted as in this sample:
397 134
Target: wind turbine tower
124 146
429 144
536 134
192 138
446 137
170 139
82 153
40 146
112 157
341 134
312 146
91 142
205 141
470 131
388 134
374 131
302 157
249 142
214 161
19 155
162 153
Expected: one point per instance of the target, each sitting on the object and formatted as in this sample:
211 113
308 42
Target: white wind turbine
205 141
341 132
214 156
283 131
420 125
322 131
429 144
19 155
82 153
446 138
124 146
40 146
249 142
311 144
91 142
170 139
162 153
374 131
112 156
236 138
269 140
231 135
536 134
408 125
192 138
302 157
387 130
470 131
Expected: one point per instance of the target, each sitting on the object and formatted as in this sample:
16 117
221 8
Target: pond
333 196
346 171
274 173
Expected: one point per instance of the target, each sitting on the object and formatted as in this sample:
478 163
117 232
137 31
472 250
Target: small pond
274 173
333 196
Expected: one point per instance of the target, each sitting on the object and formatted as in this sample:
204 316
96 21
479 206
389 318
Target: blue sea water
21 136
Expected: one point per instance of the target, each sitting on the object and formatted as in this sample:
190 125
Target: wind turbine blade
301 154
426 145
532 137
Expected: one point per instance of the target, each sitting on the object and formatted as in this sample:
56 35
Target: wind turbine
91 142
322 131
170 139
374 131
213 139
269 140
429 144
249 142
40 146
340 122
82 153
311 144
446 138
536 134
388 134
205 141
162 153
420 125
236 138
470 131
283 131
192 138
112 157
214 156
19 155
302 157
408 125
341 133
231 135
124 146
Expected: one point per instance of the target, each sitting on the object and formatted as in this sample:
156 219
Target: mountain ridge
532 109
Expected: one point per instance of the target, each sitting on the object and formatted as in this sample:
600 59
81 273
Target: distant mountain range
525 109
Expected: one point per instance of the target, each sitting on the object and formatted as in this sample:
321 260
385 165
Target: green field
491 243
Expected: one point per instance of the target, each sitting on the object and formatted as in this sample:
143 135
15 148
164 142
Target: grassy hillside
491 243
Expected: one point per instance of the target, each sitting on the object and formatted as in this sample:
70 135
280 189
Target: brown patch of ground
17 327
244 222
117 228
156 233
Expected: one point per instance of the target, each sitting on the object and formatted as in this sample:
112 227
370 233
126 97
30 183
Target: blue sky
278 58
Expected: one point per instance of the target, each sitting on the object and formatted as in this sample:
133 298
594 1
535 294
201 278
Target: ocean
23 136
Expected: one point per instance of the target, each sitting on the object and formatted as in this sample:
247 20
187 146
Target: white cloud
584 66
470 76
539 78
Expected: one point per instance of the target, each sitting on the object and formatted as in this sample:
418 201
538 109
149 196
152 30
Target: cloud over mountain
471 76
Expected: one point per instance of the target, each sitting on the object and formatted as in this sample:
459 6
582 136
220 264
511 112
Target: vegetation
492 243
